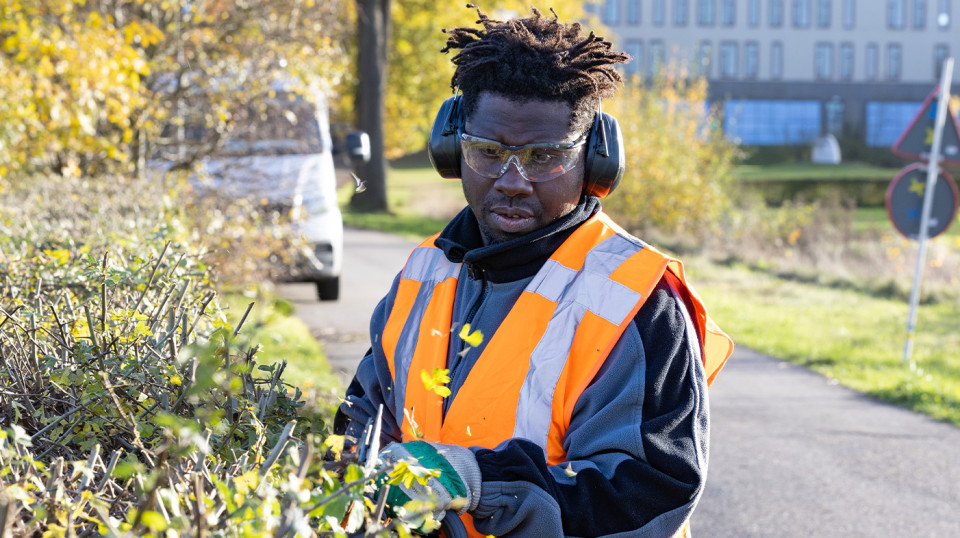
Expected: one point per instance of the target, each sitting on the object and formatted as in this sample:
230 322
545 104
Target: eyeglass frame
513 157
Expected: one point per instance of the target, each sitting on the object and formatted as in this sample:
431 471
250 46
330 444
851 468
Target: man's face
511 206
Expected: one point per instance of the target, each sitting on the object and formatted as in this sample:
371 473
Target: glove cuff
459 471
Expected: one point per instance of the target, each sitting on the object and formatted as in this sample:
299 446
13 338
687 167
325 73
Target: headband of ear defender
604 162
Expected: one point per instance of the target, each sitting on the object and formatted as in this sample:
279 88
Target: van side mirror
358 146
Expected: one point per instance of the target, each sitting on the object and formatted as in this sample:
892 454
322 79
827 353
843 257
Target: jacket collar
517 258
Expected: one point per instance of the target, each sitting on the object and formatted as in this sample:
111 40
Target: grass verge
854 338
283 336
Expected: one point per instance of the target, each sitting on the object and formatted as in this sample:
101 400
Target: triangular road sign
916 140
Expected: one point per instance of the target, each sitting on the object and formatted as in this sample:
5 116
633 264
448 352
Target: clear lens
537 162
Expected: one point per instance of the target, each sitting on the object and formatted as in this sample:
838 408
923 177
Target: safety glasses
536 162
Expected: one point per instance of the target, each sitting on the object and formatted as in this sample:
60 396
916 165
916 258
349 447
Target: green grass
848 336
810 171
272 324
854 338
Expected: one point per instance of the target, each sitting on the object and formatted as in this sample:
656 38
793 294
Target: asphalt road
792 454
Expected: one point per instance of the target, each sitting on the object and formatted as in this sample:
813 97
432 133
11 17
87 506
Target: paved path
792 455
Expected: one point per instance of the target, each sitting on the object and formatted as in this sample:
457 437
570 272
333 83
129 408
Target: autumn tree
87 84
678 161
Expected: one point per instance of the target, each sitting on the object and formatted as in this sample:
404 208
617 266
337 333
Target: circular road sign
905 201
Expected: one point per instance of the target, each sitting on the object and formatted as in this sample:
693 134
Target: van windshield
275 127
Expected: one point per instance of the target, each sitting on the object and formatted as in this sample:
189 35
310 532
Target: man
577 388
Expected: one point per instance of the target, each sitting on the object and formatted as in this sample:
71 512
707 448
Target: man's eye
491 152
542 157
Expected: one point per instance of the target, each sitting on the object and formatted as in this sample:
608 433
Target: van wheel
328 289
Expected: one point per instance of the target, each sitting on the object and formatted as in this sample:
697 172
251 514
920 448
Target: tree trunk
373 30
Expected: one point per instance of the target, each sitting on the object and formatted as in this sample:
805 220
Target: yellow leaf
474 339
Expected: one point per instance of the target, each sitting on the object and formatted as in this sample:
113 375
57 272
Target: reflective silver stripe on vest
576 292
428 266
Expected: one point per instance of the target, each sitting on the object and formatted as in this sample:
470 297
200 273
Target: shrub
678 163
130 404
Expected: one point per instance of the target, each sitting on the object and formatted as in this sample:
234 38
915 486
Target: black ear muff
605 156
444 147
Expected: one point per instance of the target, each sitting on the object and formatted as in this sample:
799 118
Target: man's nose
512 182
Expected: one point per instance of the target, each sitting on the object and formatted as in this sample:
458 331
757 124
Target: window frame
634 10
847 51
871 62
776 60
706 17
896 14
894 63
730 50
818 61
775 13
681 12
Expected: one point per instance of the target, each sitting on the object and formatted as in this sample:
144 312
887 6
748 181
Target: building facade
788 71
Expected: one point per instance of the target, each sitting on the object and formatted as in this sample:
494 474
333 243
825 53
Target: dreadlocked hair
534 58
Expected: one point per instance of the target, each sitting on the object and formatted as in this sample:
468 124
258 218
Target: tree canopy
86 84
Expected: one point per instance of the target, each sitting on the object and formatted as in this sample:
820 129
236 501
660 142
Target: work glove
458 478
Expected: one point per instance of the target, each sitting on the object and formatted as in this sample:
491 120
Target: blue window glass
767 122
659 12
886 121
753 13
706 12
776 13
681 12
633 11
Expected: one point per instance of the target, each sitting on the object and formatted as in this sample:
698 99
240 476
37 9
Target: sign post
933 170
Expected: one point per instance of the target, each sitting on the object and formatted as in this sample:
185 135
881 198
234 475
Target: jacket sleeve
636 446
372 385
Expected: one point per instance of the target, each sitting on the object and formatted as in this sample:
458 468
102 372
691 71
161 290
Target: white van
281 154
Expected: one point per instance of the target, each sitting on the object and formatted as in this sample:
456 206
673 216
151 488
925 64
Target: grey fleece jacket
638 438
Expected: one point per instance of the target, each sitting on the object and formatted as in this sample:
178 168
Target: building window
776 60
681 12
728 59
751 59
849 14
611 11
834 113
894 61
896 14
823 13
940 54
728 12
659 12
871 62
634 47
776 13
919 14
706 12
704 58
656 57
633 12
846 61
753 13
886 121
823 61
943 14
801 13
767 122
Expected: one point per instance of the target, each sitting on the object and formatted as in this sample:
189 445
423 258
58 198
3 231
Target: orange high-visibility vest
547 349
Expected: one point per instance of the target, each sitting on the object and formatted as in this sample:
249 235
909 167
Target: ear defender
605 156
603 165
444 147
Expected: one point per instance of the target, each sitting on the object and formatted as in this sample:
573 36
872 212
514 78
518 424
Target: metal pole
933 170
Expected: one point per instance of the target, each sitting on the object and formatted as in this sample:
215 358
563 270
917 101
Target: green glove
459 476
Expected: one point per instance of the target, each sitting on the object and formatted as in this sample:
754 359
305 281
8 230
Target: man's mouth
512 220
